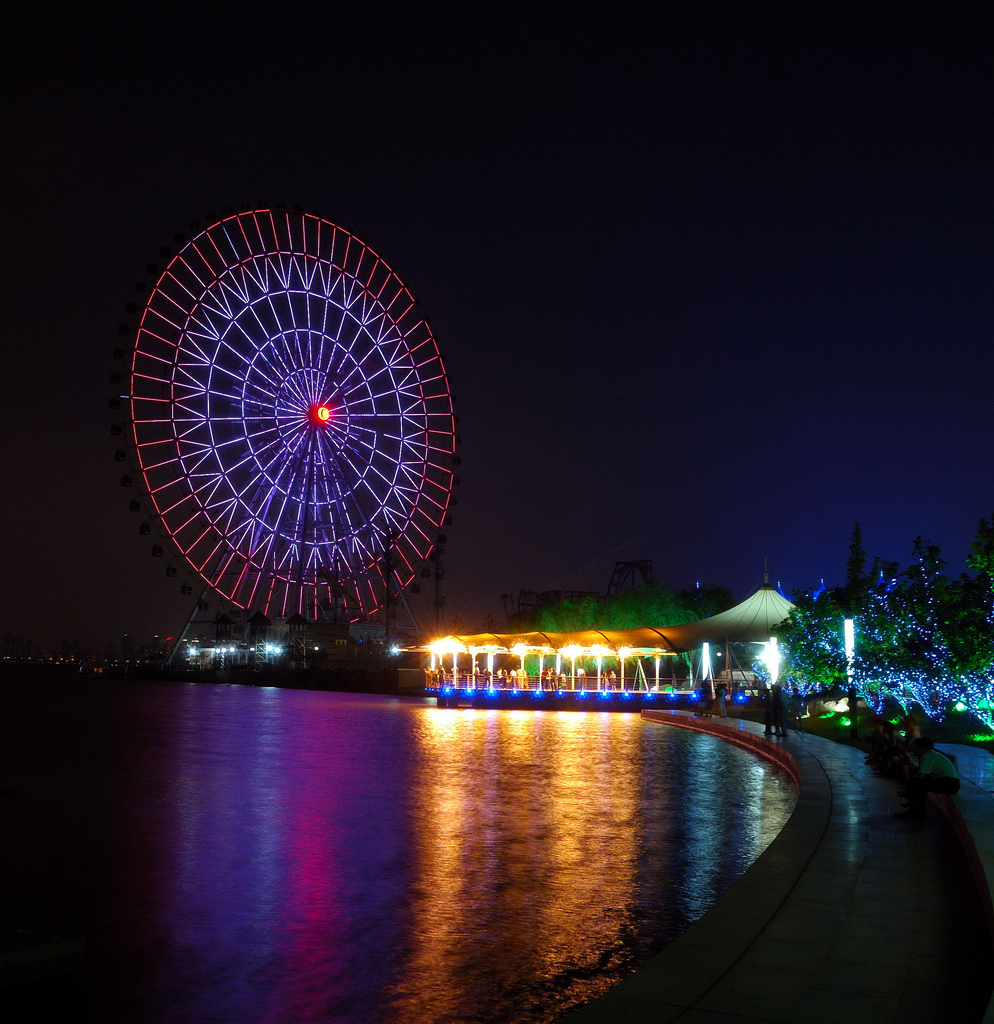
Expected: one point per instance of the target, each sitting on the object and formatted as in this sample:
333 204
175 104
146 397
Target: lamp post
849 634
520 650
706 673
623 652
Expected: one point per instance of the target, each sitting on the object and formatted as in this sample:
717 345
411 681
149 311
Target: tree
811 642
568 616
922 637
975 626
705 600
650 605
981 556
856 578
903 651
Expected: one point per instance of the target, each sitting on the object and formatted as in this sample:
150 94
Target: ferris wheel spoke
199 539
386 492
412 486
233 296
209 324
275 521
197 359
192 280
203 485
221 558
372 381
214 249
166 322
273 374
380 382
269 511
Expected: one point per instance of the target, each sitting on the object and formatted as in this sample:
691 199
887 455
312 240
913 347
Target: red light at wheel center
320 414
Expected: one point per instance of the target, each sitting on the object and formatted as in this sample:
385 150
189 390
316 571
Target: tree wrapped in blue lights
811 646
922 638
975 631
903 650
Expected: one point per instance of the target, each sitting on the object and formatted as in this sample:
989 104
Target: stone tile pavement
851 916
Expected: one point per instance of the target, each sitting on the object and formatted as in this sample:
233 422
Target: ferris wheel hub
319 415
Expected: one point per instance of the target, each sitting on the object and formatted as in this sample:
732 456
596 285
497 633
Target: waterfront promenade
851 915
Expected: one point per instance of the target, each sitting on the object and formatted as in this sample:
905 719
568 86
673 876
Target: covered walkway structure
586 659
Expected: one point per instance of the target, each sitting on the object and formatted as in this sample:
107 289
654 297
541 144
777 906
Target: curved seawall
849 914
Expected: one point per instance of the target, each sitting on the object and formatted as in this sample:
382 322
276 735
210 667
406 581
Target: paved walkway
851 916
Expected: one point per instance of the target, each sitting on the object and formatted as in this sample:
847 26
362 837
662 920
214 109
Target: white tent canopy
751 620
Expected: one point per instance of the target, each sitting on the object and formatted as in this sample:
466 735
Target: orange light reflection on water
512 811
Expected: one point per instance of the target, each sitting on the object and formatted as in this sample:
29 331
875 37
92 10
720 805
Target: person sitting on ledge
936 774
883 747
902 765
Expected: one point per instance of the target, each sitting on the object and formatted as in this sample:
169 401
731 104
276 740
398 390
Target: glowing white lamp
771 657
571 652
623 652
849 636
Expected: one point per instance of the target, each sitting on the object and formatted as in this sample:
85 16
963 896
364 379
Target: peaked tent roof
645 640
751 620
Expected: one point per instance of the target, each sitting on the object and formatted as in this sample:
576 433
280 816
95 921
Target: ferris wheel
288 416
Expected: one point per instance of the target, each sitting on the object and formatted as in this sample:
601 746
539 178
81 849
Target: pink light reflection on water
263 855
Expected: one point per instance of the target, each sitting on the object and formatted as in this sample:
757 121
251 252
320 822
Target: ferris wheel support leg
171 660
407 608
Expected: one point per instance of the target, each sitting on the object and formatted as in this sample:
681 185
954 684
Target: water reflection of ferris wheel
290 422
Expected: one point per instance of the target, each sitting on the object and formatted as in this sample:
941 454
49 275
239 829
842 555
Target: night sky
713 282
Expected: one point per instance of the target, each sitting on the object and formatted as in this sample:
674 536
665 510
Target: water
262 855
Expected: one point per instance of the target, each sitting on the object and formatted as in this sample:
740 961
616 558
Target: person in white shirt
936 774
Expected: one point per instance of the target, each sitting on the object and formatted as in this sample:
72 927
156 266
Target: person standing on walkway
936 774
778 709
853 712
720 690
798 705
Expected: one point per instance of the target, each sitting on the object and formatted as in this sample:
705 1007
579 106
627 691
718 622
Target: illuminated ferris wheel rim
291 414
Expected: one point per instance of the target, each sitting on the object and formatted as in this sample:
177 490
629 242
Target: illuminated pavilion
751 621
